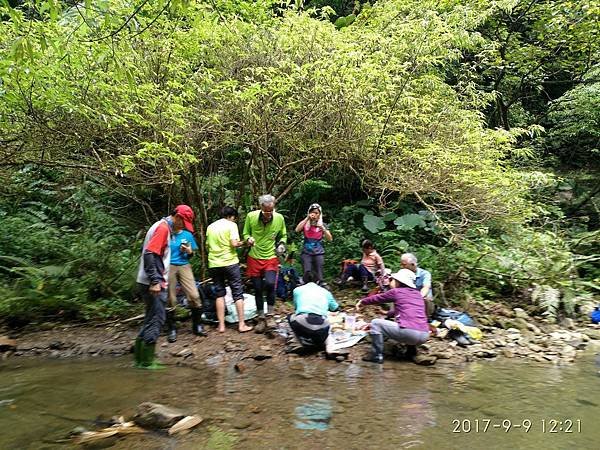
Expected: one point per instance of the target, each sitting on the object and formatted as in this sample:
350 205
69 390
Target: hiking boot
270 323
270 310
148 360
341 281
411 352
171 327
261 325
197 328
376 355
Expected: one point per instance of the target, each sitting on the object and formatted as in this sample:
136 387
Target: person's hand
358 305
186 248
250 241
154 289
280 250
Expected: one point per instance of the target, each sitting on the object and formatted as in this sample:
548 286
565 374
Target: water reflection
313 414
278 404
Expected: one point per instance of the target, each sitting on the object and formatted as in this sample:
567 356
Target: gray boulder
156 416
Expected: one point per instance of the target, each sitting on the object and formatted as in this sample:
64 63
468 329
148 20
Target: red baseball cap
187 214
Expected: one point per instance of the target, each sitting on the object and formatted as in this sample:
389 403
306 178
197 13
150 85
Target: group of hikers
165 262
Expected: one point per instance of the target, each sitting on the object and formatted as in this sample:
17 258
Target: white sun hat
405 276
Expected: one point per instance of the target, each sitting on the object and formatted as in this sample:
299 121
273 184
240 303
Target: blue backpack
442 314
286 282
595 315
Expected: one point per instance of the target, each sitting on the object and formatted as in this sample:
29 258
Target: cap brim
188 225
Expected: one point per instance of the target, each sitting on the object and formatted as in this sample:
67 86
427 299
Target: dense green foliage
419 124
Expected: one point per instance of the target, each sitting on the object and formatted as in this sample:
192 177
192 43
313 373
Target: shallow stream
312 404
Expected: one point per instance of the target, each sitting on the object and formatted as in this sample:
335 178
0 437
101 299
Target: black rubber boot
411 352
376 355
197 327
171 327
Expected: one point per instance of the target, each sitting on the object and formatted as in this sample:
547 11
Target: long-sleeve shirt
408 306
312 298
265 235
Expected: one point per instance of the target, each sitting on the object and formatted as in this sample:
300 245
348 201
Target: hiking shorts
231 275
258 267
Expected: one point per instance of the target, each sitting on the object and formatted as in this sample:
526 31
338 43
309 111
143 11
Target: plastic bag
231 311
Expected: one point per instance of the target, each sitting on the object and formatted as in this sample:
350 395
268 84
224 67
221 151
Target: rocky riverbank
508 333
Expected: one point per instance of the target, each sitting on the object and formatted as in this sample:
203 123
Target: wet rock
534 329
568 352
56 345
568 323
508 353
7 344
535 348
234 347
520 313
486 354
156 416
448 354
520 324
424 360
592 333
185 353
550 358
240 367
254 409
242 423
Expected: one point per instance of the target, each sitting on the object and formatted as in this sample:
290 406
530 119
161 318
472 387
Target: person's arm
283 232
194 243
152 267
380 263
384 297
426 285
247 231
234 236
301 225
331 303
327 234
153 263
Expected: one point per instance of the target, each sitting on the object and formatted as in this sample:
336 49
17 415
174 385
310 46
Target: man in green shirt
222 238
264 231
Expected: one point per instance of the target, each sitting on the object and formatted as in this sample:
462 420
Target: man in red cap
153 279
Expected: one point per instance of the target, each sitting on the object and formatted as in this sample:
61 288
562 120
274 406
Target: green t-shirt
265 235
218 243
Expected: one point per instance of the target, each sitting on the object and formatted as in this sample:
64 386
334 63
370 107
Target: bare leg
221 314
242 327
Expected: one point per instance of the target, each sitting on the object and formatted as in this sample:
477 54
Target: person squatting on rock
313 252
370 264
309 321
410 325
153 280
265 233
222 240
422 280
183 245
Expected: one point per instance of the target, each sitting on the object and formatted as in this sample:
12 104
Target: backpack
287 280
208 298
595 315
443 314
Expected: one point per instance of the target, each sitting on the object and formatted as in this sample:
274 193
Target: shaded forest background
465 131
